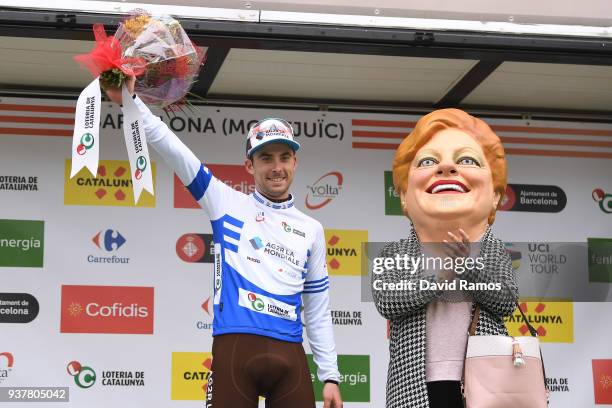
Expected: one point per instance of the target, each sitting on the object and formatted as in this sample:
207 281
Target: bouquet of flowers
154 49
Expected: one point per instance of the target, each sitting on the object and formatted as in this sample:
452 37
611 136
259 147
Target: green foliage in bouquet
113 78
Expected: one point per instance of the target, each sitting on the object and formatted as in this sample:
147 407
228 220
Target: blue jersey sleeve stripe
316 291
316 286
316 281
200 183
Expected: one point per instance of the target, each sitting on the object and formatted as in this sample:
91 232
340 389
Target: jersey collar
277 206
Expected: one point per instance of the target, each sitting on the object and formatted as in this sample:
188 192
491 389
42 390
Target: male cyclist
269 258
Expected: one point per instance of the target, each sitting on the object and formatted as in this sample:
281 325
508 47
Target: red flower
107 55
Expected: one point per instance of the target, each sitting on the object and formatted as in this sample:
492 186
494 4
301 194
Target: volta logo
233 175
141 166
326 188
533 198
602 381
111 187
6 365
87 142
190 375
107 309
109 240
354 377
199 248
84 377
344 250
553 321
603 199
22 243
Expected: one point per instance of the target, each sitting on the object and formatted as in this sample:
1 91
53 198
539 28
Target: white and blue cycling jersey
269 257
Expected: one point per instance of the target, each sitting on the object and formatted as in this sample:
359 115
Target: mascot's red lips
447 187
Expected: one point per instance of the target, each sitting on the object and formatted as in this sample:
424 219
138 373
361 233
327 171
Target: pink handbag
503 371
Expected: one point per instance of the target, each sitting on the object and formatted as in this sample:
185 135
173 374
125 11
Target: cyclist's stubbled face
273 168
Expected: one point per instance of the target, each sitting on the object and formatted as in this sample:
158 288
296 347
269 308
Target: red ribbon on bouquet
107 55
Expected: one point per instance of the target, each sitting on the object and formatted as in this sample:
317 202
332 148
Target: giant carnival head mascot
450 173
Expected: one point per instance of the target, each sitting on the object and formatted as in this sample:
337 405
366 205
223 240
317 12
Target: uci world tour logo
256 302
141 166
604 200
84 377
87 142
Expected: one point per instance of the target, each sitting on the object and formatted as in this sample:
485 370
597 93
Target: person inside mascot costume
450 174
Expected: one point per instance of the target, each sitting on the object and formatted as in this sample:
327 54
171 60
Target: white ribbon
85 139
136 144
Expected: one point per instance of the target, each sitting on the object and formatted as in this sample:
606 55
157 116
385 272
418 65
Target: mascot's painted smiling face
450 178
450 173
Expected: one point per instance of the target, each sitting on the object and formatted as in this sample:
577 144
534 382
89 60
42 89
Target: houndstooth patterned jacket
406 310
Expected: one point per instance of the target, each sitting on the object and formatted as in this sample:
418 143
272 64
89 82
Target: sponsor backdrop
113 300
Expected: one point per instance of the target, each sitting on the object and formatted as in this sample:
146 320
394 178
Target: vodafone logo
326 188
107 309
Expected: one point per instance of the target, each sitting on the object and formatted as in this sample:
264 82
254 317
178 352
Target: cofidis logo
107 309
111 187
602 381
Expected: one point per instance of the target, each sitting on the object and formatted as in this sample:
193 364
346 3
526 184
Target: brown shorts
246 366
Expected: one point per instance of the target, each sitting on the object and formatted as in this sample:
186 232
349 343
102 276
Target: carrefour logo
111 240
84 377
